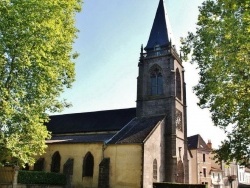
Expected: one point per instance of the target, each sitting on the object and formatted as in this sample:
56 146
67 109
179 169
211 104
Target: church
129 148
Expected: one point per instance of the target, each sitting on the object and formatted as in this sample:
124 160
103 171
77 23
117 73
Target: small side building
200 162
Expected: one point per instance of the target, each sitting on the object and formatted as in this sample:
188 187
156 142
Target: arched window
156 81
88 165
155 169
178 84
56 162
39 165
26 167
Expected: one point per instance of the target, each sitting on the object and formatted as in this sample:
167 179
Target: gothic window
155 169
26 167
156 82
39 165
88 165
56 162
178 84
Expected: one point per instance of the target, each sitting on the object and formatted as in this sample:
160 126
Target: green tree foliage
36 38
221 49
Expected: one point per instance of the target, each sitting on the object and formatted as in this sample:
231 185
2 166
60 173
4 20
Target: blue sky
109 41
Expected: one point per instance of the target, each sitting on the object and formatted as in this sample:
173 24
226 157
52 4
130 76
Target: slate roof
110 120
136 130
197 142
122 127
87 138
159 32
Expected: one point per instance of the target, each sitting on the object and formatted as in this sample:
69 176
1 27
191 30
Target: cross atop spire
160 32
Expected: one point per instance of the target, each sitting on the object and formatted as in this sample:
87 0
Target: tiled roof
87 138
136 130
110 120
159 31
197 142
214 169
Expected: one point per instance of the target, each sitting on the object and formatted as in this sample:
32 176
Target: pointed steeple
160 31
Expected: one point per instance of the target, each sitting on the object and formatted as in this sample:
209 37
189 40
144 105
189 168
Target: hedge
40 177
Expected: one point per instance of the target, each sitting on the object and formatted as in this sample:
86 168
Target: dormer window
157 49
156 82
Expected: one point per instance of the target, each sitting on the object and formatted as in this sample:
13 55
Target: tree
220 47
36 65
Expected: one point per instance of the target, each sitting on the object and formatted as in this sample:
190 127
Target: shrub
40 177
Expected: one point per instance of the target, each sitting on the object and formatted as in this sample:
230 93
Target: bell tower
161 91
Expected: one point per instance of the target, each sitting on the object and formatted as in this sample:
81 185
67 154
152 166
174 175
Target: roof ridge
109 110
121 130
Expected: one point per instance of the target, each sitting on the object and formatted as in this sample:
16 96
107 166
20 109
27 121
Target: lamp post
231 179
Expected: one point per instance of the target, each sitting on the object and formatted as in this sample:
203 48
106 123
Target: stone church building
129 148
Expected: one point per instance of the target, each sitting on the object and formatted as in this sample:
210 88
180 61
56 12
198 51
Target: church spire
160 32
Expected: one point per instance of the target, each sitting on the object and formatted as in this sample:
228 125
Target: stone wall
125 165
153 150
76 152
6 175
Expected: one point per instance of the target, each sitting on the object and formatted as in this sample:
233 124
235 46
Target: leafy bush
40 177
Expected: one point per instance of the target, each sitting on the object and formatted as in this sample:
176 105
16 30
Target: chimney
209 144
